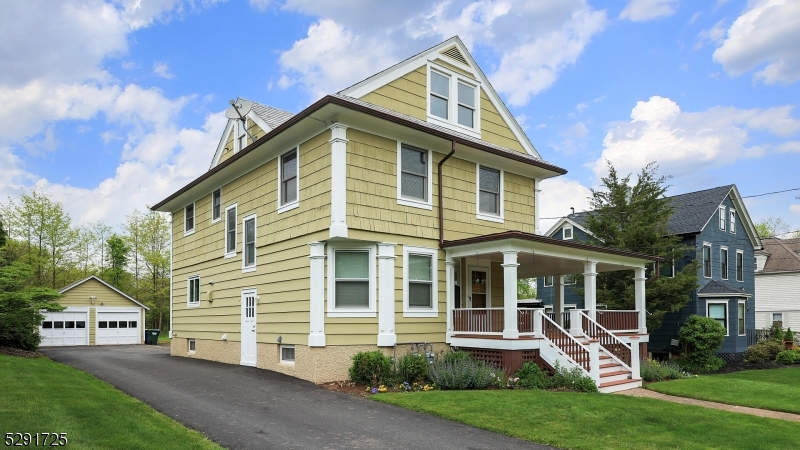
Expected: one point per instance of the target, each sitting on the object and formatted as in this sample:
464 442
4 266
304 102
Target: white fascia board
744 217
259 121
565 220
221 145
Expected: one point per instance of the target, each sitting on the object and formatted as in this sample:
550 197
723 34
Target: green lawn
39 395
163 338
775 389
600 421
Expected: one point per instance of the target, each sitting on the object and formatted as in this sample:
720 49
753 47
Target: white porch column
386 257
558 306
590 288
450 293
338 180
510 265
635 358
316 337
639 288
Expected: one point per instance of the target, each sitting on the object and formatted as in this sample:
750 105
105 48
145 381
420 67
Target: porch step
619 375
620 385
611 367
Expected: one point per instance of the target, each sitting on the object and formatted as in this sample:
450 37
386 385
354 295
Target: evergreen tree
635 219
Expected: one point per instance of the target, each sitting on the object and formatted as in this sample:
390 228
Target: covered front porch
484 316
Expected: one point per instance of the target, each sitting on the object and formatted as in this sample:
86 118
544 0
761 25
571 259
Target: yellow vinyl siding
497 285
254 130
494 129
92 327
406 95
79 296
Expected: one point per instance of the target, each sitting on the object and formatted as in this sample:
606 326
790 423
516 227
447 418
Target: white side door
249 327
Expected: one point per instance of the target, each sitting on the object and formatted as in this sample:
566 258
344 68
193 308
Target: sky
108 106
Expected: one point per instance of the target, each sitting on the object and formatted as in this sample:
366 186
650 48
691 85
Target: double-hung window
216 205
719 312
466 105
733 221
707 260
490 194
567 232
188 219
193 293
420 282
742 311
351 275
777 319
739 265
453 100
414 179
440 95
249 258
288 186
722 218
723 263
230 231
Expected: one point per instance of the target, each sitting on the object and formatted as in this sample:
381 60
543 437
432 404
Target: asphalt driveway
248 408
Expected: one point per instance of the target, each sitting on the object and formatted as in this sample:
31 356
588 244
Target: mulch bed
19 352
347 387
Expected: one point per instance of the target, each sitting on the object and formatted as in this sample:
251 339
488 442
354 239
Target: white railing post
537 322
639 288
558 305
510 265
635 361
575 322
594 360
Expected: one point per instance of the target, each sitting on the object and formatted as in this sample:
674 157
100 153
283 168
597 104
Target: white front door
64 328
117 328
249 328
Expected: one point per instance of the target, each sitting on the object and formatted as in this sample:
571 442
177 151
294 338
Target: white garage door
118 328
64 328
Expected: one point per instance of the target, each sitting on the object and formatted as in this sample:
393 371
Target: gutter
441 206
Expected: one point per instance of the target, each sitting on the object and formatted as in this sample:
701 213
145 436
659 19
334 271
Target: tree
100 232
635 219
772 227
2 235
526 288
117 256
155 241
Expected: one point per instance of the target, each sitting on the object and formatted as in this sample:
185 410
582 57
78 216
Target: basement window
287 354
192 346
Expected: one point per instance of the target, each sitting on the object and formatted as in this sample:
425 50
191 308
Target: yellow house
399 210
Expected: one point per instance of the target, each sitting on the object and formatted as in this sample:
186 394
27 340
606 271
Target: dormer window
453 101
567 232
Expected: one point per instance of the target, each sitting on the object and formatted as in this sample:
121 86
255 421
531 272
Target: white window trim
727 313
732 224
710 260
433 311
245 268
228 254
741 302
481 215
724 274
189 345
189 303
280 354
722 219
194 219
736 265
772 318
414 202
544 281
564 233
221 210
350 312
296 203
452 102
239 131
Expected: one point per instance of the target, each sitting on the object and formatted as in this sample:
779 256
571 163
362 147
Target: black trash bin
151 337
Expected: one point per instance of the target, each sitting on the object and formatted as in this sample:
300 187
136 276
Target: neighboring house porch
483 315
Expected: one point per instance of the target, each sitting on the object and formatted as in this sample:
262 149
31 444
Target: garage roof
78 283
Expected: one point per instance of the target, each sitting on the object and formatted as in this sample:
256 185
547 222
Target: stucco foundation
222 351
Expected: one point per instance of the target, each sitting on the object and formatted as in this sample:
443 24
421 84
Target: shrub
789 335
776 332
458 373
701 337
530 376
652 370
572 380
788 357
763 351
413 367
371 368
456 356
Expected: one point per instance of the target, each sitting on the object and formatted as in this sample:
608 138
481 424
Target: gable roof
565 220
453 51
716 288
783 255
266 117
92 277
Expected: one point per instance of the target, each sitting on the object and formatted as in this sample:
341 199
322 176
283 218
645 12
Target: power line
770 193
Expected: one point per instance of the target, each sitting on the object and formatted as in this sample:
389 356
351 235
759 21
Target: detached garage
96 314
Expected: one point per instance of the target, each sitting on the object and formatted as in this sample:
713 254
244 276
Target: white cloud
644 10
765 37
714 35
795 208
535 41
574 138
581 107
260 5
683 143
161 69
557 196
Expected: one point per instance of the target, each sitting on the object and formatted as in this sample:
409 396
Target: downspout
441 207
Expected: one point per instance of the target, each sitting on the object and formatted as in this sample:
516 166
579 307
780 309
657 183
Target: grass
39 395
600 421
774 389
163 338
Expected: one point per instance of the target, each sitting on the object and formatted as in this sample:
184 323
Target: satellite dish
239 108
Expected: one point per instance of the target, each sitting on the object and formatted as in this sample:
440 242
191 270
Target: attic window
567 232
453 101
453 53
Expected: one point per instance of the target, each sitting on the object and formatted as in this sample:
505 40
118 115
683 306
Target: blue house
716 224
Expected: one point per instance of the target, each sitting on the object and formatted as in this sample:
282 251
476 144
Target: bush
789 335
530 376
413 368
776 332
456 356
763 351
371 368
652 370
788 357
459 373
572 380
701 337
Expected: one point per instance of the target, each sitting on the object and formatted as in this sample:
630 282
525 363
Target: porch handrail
565 342
628 319
614 346
478 320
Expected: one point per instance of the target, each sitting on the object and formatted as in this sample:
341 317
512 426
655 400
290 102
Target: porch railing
618 320
612 344
572 349
478 320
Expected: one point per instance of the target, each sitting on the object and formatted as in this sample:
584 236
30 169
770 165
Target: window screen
466 105
194 290
230 231
250 242
189 213
420 281
289 177
216 204
352 278
489 194
718 312
414 173
440 94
